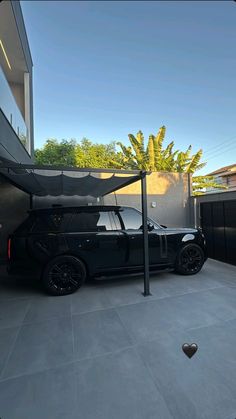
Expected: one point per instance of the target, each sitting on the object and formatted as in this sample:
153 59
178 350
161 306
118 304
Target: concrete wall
73 201
196 201
170 192
13 210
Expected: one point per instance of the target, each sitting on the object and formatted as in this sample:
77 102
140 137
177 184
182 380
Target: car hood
181 230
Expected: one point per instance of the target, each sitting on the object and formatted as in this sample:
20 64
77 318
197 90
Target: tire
189 260
63 275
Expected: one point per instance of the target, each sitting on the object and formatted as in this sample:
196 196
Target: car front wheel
189 260
63 275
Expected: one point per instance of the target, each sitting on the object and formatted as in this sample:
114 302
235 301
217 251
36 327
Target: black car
67 245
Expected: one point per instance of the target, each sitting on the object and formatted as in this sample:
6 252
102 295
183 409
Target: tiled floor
107 352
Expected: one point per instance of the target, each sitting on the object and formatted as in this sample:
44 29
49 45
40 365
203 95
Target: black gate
218 221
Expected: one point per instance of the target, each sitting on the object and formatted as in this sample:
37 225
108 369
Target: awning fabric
52 182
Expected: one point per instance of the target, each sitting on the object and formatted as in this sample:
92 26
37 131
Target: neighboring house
16 112
225 176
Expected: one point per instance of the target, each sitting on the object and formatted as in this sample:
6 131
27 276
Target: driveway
107 352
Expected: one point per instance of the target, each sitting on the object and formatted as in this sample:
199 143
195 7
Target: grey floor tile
123 292
97 333
233 409
219 303
89 298
147 321
12 312
223 273
192 388
48 394
201 308
47 307
7 338
217 344
225 299
172 284
14 287
40 346
118 386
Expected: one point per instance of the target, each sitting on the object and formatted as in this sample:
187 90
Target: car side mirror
150 227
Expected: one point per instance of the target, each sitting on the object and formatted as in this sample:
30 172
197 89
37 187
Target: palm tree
157 158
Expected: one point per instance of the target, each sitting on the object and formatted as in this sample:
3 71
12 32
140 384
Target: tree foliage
156 157
90 154
153 157
81 154
201 183
56 153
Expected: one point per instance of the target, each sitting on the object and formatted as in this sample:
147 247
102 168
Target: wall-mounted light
5 54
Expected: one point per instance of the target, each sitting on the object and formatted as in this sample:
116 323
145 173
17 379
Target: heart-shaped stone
189 350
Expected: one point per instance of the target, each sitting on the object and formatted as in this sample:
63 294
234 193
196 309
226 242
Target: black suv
66 245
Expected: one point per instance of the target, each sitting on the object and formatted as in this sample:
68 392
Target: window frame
139 212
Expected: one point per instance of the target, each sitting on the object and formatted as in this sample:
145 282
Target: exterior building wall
73 201
170 192
11 147
14 205
16 101
16 108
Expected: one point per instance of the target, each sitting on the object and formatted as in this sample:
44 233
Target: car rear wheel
189 260
63 275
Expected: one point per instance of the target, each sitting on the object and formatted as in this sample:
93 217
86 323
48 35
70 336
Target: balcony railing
11 111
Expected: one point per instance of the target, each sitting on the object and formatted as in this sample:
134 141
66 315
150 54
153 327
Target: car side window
51 222
132 219
90 221
115 221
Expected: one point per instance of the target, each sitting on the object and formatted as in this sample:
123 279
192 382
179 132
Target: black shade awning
43 181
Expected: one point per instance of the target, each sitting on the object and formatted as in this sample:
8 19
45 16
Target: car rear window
55 222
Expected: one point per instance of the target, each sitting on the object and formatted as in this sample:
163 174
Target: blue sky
103 70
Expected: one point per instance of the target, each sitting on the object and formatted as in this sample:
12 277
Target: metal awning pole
145 235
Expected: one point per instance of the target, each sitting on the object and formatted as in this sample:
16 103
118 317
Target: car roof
87 208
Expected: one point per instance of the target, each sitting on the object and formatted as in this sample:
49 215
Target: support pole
145 235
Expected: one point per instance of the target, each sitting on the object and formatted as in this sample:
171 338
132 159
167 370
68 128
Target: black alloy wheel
63 275
190 260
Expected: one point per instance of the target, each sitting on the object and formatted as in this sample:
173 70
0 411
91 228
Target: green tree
201 183
154 157
73 154
56 153
95 155
157 158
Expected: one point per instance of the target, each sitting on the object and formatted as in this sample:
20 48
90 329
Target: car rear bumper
20 269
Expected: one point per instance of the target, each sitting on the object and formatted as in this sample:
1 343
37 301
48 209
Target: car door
131 220
45 240
94 237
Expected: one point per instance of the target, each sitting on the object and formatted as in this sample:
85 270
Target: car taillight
9 249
